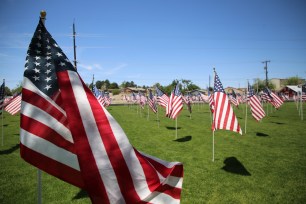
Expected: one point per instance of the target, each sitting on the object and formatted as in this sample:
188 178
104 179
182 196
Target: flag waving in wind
175 104
257 111
67 133
224 116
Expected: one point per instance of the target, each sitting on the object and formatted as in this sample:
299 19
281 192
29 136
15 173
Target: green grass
265 165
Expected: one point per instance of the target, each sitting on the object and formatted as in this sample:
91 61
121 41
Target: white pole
301 107
213 147
148 113
246 116
39 196
176 128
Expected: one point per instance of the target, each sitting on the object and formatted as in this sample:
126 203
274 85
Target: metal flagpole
176 128
213 141
2 113
39 191
246 110
157 118
213 149
148 112
74 47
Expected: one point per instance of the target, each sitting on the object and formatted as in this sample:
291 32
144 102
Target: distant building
281 83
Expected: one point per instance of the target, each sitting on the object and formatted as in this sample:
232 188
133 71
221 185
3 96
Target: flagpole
2 113
176 127
213 141
148 113
39 190
246 110
213 149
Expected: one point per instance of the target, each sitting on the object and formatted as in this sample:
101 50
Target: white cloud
115 69
90 67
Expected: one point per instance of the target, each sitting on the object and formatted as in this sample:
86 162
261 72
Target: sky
157 41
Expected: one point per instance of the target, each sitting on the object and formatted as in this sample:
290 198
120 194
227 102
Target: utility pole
74 47
266 68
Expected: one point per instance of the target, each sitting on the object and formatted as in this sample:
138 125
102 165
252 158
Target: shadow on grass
239 117
80 195
183 139
9 151
173 128
233 165
260 134
278 123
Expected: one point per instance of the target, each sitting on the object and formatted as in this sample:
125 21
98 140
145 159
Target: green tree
294 81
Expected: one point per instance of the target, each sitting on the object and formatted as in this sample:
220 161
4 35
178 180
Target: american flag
273 98
224 116
175 104
187 101
233 99
151 102
2 94
162 98
99 95
14 105
257 111
67 133
211 101
304 92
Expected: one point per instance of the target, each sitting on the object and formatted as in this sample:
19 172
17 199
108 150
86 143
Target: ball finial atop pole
43 14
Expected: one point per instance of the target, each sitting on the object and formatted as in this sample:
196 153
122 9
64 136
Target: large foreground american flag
67 133
224 116
256 108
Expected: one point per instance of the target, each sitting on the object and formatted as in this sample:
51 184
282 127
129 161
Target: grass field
265 165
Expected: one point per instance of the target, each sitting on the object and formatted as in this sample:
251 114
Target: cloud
90 67
115 69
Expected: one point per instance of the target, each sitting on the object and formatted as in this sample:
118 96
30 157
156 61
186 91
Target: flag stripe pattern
257 111
162 98
151 102
175 104
14 105
224 116
66 132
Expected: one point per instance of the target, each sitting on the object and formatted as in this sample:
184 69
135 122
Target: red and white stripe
224 117
257 111
13 105
84 145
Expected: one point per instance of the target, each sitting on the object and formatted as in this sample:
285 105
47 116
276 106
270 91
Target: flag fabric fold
67 133
224 116
258 112
14 105
175 103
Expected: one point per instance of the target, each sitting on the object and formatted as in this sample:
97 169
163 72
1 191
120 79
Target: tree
294 81
114 85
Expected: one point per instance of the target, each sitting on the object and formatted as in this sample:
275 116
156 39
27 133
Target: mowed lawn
265 165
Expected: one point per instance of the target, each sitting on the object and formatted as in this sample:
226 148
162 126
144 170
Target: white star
62 64
48 47
37 70
49 53
39 37
48 71
67 60
48 64
27 61
26 68
38 52
48 79
55 45
48 57
48 87
59 54
37 58
38 44
36 78
47 40
37 63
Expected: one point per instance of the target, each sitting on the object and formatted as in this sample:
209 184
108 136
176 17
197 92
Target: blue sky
149 41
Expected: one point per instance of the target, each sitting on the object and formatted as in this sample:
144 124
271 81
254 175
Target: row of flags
10 104
66 131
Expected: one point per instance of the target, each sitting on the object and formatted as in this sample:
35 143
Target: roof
295 88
